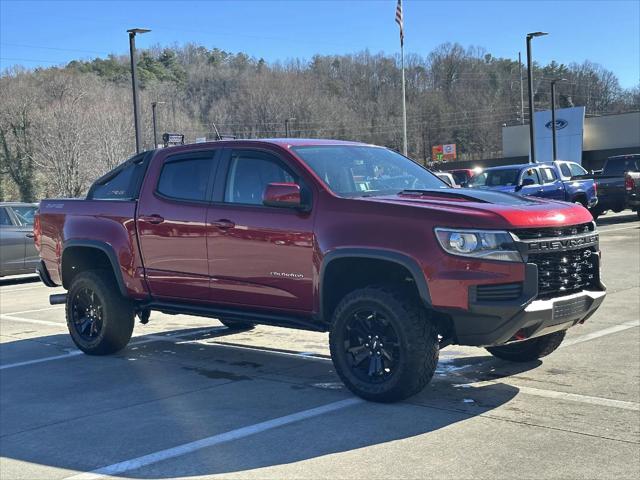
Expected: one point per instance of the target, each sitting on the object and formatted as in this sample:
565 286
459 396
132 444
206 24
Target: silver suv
18 253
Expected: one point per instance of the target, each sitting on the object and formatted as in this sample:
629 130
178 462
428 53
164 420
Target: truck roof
283 142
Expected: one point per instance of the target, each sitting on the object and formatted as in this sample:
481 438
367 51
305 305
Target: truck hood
488 208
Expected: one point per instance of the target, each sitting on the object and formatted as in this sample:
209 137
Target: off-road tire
529 350
236 325
416 335
117 313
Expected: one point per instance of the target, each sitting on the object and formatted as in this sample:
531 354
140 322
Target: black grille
498 292
553 232
564 273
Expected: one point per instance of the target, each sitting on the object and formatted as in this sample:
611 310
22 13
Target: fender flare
371 253
107 250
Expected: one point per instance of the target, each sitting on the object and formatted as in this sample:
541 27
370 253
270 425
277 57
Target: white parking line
573 397
185 448
52 307
31 320
600 333
616 229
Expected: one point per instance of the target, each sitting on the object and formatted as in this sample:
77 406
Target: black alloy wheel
372 346
87 314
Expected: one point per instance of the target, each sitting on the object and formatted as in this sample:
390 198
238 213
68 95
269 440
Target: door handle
154 219
30 235
223 224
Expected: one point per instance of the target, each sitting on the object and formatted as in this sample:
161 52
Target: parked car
463 175
544 180
18 254
632 188
322 235
447 178
611 182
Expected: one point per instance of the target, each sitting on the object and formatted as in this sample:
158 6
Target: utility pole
153 114
286 126
521 89
532 128
553 116
134 81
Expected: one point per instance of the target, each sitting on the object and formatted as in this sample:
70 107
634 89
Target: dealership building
588 140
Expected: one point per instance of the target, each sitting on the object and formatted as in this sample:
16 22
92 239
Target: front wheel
529 350
99 319
383 346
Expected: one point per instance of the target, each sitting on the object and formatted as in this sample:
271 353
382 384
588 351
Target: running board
276 320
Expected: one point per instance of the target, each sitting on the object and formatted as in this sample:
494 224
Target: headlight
486 244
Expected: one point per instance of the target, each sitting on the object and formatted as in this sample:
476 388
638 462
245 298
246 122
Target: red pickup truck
323 235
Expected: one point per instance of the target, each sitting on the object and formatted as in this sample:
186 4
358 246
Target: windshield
357 171
25 213
495 178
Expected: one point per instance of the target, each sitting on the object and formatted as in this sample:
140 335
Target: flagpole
404 103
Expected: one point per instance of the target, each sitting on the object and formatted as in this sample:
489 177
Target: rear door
259 256
172 228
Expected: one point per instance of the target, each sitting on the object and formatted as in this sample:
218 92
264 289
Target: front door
535 189
172 215
259 256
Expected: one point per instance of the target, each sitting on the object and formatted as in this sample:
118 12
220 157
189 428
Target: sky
46 33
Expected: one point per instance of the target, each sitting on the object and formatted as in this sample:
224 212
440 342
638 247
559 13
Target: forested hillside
62 127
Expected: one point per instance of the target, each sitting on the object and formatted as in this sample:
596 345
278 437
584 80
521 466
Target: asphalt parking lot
188 399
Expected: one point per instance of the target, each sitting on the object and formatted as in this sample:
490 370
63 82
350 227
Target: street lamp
153 114
286 126
134 80
553 115
532 131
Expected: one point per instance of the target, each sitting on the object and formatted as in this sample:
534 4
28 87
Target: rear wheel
236 325
529 350
383 346
99 319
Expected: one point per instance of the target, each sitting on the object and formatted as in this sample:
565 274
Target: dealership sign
569 130
443 152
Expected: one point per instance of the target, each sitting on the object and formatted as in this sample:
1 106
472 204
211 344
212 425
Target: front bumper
496 323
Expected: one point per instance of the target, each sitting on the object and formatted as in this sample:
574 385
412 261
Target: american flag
400 21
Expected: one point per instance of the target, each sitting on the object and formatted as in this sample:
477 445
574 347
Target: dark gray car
18 253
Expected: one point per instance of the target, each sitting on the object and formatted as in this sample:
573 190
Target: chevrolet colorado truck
339 237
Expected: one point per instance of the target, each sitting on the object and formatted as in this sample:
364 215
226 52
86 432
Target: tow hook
144 315
57 298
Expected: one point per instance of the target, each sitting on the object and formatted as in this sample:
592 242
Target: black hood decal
473 195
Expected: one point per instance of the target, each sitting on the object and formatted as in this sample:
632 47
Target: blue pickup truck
553 180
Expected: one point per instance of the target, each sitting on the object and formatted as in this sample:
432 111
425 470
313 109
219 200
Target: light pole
134 80
553 115
153 114
532 128
286 126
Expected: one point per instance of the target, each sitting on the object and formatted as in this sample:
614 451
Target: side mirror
283 195
526 182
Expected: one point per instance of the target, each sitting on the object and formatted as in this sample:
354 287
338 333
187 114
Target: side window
5 220
117 187
548 175
186 178
249 174
531 173
576 170
566 171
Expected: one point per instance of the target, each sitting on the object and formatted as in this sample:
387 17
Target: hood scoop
469 195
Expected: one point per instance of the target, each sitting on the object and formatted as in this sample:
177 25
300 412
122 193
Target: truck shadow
165 393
